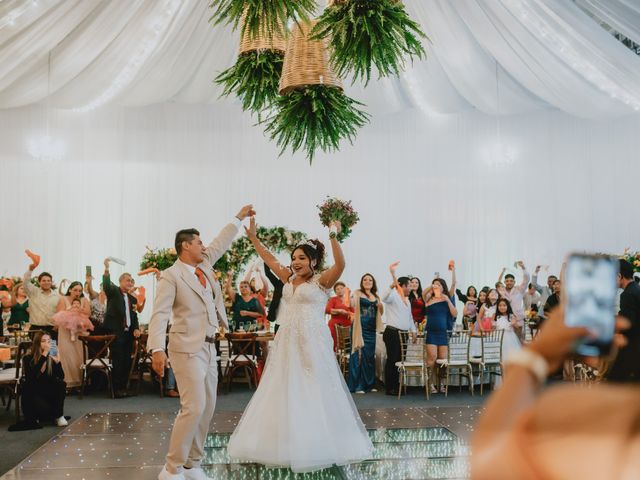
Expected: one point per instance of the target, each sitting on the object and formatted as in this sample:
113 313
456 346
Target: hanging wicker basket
263 41
306 62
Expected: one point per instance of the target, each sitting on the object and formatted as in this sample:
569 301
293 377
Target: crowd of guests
64 315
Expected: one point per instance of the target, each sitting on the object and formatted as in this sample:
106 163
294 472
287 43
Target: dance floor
410 443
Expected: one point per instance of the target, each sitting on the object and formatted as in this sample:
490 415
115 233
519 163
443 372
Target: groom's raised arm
222 242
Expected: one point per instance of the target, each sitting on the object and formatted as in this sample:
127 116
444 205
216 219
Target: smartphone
53 351
589 296
88 270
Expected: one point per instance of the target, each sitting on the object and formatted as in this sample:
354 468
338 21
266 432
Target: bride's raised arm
330 276
272 262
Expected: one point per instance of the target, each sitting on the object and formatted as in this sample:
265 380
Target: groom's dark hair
185 235
402 281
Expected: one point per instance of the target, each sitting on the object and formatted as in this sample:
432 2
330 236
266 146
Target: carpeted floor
15 446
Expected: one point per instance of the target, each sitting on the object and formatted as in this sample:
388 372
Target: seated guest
19 307
5 302
367 322
246 308
43 388
561 432
339 309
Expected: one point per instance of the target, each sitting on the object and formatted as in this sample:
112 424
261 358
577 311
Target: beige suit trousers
197 379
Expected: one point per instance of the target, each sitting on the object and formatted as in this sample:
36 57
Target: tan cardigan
357 341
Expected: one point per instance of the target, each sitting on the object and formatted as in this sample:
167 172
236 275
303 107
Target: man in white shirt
397 318
515 295
43 301
531 298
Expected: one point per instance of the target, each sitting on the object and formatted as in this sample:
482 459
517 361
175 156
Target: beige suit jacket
180 296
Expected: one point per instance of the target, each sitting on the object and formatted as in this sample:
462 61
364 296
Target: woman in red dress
340 310
417 303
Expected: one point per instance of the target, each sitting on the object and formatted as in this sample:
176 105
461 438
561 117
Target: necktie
201 277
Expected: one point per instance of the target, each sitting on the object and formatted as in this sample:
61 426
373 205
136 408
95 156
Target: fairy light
141 54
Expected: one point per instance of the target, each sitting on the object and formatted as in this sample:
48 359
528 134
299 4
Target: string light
141 54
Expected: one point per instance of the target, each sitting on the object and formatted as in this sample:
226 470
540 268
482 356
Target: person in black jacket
121 320
43 387
272 314
626 367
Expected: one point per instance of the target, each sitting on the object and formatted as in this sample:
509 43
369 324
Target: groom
189 292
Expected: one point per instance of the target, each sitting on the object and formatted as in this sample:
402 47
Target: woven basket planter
306 61
262 41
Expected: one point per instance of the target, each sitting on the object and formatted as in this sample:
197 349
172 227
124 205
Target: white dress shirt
397 313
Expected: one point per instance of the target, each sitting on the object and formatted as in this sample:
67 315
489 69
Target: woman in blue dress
441 316
366 322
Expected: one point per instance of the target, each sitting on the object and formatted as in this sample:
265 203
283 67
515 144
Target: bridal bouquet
333 209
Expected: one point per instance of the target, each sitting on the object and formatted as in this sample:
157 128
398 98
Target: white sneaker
165 475
62 422
360 392
195 473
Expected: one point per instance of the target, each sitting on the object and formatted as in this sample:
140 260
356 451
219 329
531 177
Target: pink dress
69 347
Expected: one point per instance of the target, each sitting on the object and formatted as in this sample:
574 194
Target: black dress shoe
391 392
121 394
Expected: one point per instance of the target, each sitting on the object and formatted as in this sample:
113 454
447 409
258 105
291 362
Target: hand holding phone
589 296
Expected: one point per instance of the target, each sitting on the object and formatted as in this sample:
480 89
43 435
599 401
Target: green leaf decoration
365 32
254 79
263 17
315 116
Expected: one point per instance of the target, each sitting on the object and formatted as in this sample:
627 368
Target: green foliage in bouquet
269 15
334 209
276 239
158 258
315 116
254 79
366 32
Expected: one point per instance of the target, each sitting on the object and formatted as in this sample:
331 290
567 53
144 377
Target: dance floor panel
410 443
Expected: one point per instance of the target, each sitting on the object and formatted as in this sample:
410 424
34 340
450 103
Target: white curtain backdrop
428 188
548 53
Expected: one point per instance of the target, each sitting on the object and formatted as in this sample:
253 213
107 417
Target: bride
302 415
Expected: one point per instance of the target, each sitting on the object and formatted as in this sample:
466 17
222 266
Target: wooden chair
141 364
242 356
412 364
343 348
10 378
457 360
96 358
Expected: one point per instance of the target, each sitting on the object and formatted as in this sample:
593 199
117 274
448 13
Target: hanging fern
263 17
315 116
254 79
366 32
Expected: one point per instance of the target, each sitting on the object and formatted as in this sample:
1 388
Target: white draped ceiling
497 56
437 174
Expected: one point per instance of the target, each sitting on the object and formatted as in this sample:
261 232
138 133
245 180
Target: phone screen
589 299
88 270
53 351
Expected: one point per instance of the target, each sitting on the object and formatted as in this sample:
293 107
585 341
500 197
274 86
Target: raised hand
246 211
393 267
252 230
35 259
107 262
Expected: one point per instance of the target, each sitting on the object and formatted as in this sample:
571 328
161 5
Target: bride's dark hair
314 249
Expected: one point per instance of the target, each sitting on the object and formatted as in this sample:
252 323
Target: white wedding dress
302 415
